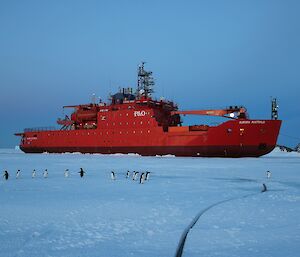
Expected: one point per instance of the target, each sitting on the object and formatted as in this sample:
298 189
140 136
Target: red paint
149 127
126 130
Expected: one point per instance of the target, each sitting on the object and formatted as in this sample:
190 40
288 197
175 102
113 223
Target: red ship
137 123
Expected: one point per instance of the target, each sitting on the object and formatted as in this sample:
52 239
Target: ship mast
145 82
274 111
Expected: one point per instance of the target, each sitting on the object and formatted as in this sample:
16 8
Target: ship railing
37 129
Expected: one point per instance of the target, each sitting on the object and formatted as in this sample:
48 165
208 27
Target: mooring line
182 240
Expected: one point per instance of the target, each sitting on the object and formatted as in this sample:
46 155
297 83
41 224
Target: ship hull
202 151
235 138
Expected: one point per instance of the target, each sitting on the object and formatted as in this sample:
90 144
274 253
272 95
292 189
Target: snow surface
96 216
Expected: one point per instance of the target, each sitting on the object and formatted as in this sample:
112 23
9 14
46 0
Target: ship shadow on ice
276 190
258 188
290 184
173 177
237 180
255 184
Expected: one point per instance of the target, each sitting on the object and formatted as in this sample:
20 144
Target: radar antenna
145 82
274 111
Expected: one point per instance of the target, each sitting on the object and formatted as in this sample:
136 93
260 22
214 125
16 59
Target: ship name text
252 122
31 138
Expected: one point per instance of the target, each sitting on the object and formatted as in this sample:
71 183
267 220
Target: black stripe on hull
196 151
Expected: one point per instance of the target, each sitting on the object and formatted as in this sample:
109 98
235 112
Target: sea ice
95 216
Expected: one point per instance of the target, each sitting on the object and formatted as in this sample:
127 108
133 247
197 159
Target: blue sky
204 54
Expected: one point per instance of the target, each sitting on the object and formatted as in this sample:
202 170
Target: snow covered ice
97 216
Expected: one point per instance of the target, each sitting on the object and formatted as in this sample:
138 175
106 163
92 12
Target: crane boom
233 112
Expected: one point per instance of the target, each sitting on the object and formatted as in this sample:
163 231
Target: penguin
66 174
133 172
112 175
135 175
33 174
269 174
81 172
46 173
18 174
142 178
147 175
5 175
127 174
264 188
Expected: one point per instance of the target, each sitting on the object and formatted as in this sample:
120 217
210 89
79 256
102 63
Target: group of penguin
144 176
45 173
